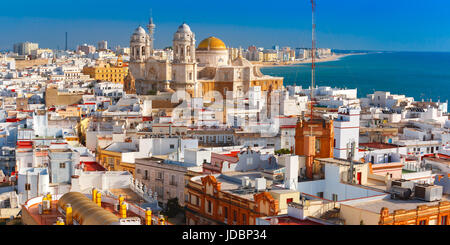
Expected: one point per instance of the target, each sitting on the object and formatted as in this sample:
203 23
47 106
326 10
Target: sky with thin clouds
400 25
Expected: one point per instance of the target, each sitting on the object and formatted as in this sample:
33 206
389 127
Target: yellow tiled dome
212 43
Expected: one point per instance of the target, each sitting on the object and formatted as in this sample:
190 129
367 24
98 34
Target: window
335 197
172 146
289 200
138 170
30 165
209 207
444 220
225 212
317 145
244 219
146 175
160 175
172 180
62 165
234 216
423 222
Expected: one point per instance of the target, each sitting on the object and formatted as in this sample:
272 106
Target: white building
385 100
335 185
346 133
32 182
25 48
109 89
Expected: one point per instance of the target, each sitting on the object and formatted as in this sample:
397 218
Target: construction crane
313 65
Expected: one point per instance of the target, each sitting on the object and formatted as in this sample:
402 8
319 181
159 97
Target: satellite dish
274 221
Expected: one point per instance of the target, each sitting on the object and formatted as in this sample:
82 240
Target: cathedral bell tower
184 45
139 45
184 68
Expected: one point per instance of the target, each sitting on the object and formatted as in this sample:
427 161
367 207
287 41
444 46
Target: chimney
260 184
291 177
148 217
69 220
94 195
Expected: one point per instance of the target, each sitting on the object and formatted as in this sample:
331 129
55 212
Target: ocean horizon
422 75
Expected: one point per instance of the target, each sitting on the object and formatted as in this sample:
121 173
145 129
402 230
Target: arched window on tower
143 50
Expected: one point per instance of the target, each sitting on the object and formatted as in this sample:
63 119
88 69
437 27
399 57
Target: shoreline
307 61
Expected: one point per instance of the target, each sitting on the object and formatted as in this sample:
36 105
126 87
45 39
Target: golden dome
212 43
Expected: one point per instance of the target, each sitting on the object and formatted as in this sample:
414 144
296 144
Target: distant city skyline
358 25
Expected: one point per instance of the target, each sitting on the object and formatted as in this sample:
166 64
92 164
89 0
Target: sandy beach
306 61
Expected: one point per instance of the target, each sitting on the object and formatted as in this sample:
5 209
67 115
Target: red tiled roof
13 120
24 144
378 145
232 154
93 166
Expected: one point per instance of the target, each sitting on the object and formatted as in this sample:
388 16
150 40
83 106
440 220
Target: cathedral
196 70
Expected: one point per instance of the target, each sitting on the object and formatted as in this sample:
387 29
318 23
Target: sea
422 75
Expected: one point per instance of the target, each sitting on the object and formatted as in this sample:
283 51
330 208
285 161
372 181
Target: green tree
283 151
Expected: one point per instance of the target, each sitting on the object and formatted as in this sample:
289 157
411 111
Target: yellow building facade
112 161
115 73
270 57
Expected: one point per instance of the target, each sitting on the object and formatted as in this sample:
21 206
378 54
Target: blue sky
345 24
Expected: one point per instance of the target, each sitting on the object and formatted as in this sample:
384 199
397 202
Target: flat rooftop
393 204
439 160
337 161
231 182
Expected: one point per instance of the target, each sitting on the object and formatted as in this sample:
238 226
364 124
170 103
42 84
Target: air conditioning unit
398 192
429 193
246 182
403 183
